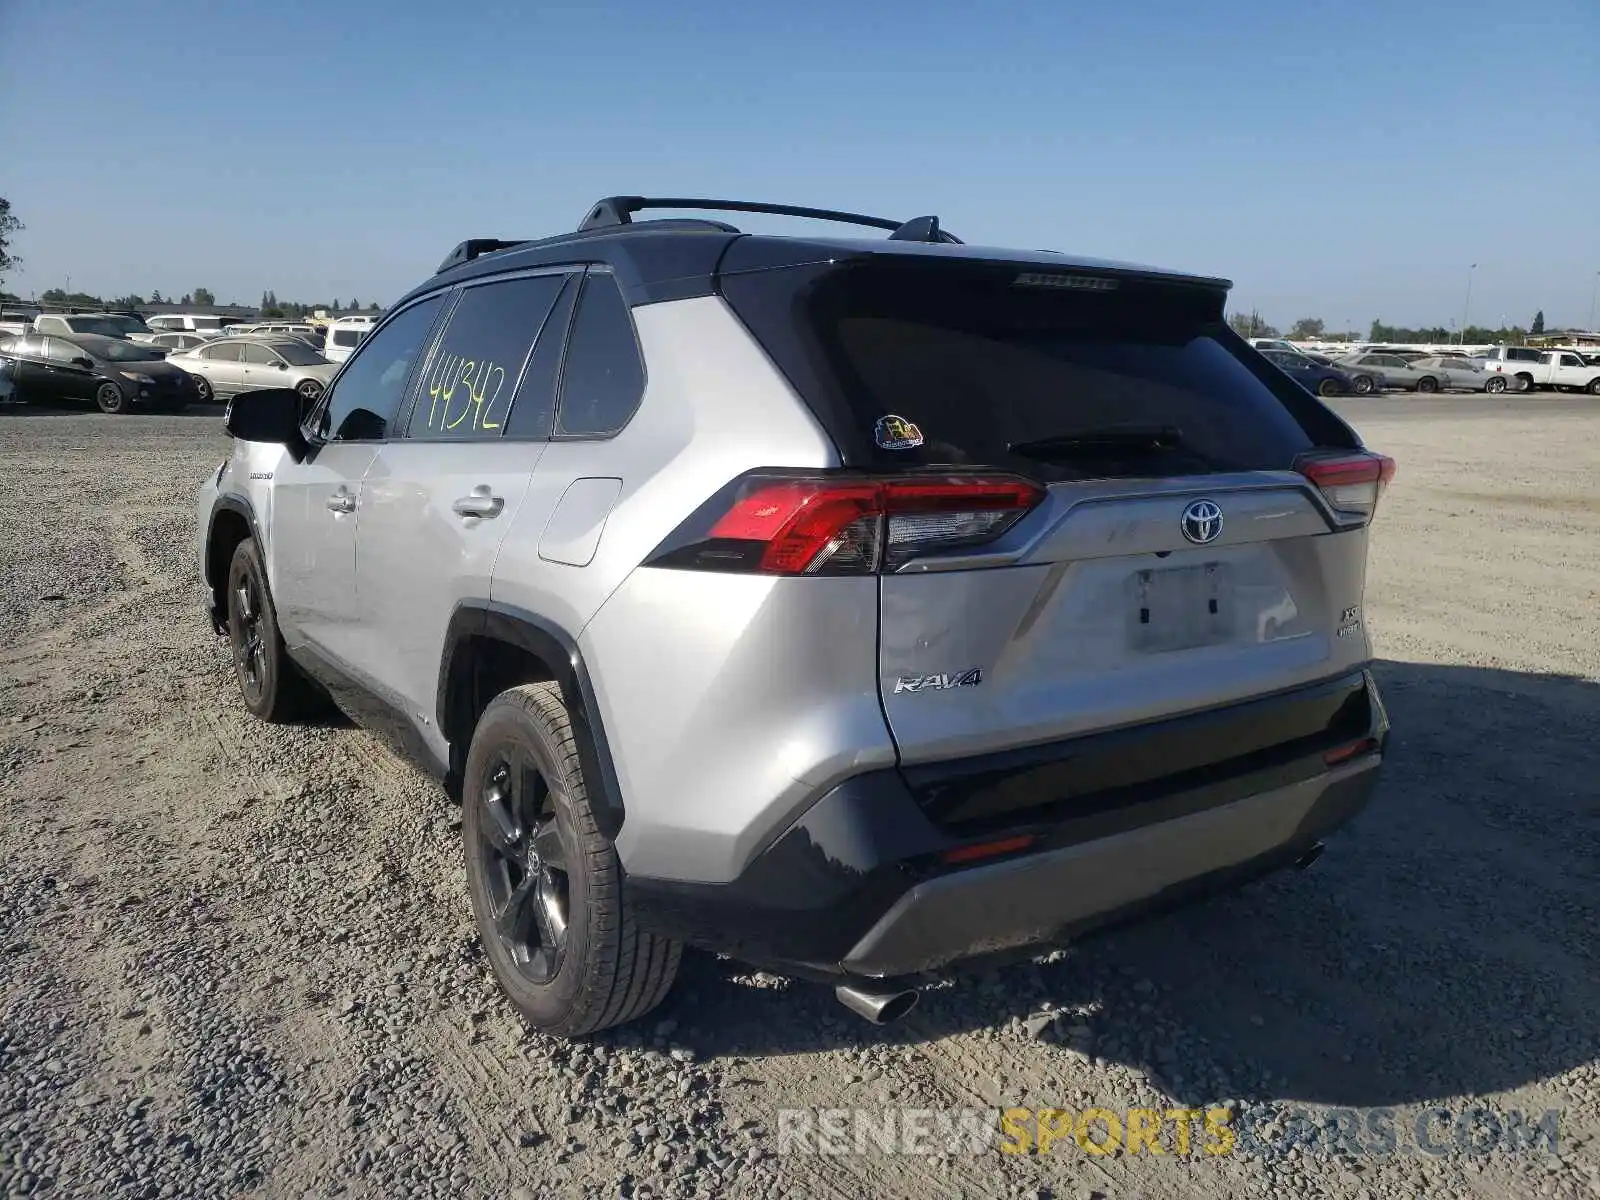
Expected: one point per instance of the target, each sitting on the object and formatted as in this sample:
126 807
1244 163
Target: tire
203 386
273 688
110 398
1427 384
1527 383
546 886
1594 386
1363 385
1495 386
1330 387
310 390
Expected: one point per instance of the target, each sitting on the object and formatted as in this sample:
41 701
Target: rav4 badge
938 683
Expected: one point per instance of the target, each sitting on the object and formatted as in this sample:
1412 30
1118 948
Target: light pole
1594 294
1466 307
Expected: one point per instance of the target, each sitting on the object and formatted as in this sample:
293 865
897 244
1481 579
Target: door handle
342 501
480 502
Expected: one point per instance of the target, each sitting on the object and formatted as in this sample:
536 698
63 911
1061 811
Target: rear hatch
1171 549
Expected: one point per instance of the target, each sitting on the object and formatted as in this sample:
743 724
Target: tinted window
298 353
602 378
1521 354
58 350
975 360
104 326
222 352
533 412
30 346
347 337
252 352
1571 360
120 351
472 376
367 394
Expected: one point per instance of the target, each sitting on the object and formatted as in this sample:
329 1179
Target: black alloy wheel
110 398
247 632
523 860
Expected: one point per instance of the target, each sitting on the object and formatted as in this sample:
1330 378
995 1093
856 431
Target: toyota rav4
853 607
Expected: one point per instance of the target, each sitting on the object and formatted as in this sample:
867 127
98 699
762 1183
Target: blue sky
1343 160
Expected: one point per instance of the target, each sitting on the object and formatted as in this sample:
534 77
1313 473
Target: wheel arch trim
557 649
227 502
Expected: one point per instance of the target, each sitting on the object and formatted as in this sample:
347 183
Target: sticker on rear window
896 433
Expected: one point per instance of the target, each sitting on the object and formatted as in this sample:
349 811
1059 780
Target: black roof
676 259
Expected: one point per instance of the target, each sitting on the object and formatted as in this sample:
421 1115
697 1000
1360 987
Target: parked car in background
224 367
1559 369
299 329
129 323
72 324
1365 378
172 342
17 320
1459 373
344 335
1274 344
1397 371
190 322
113 372
1313 376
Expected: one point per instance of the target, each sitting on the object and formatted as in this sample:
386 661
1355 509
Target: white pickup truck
1559 369
17 320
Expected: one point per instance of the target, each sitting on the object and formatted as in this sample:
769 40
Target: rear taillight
1351 483
821 524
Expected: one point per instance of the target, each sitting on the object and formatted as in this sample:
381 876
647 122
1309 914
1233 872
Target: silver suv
850 607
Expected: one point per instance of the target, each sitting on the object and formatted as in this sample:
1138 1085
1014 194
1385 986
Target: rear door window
472 376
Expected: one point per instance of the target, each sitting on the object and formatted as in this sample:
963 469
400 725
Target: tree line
201 297
1315 329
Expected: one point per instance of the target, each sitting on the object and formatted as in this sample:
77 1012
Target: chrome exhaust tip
1309 857
878 1007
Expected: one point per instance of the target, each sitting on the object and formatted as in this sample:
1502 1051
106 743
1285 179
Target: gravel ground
237 959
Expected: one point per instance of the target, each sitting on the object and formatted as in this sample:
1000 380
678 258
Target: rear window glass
1057 381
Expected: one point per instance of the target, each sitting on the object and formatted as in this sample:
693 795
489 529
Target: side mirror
272 415
283 366
86 363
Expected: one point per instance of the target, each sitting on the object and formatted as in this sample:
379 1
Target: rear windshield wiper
1097 443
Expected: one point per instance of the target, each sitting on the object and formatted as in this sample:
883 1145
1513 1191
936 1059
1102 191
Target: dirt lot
238 959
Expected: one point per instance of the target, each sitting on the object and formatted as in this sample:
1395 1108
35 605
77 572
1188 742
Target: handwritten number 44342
476 383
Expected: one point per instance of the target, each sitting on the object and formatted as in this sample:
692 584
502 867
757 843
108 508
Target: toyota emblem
1202 521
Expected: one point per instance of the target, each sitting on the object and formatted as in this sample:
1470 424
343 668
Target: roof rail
619 210
473 248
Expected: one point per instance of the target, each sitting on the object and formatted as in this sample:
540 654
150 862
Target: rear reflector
1354 750
790 524
1351 483
1010 845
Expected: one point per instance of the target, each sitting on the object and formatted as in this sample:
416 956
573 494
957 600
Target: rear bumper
860 887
